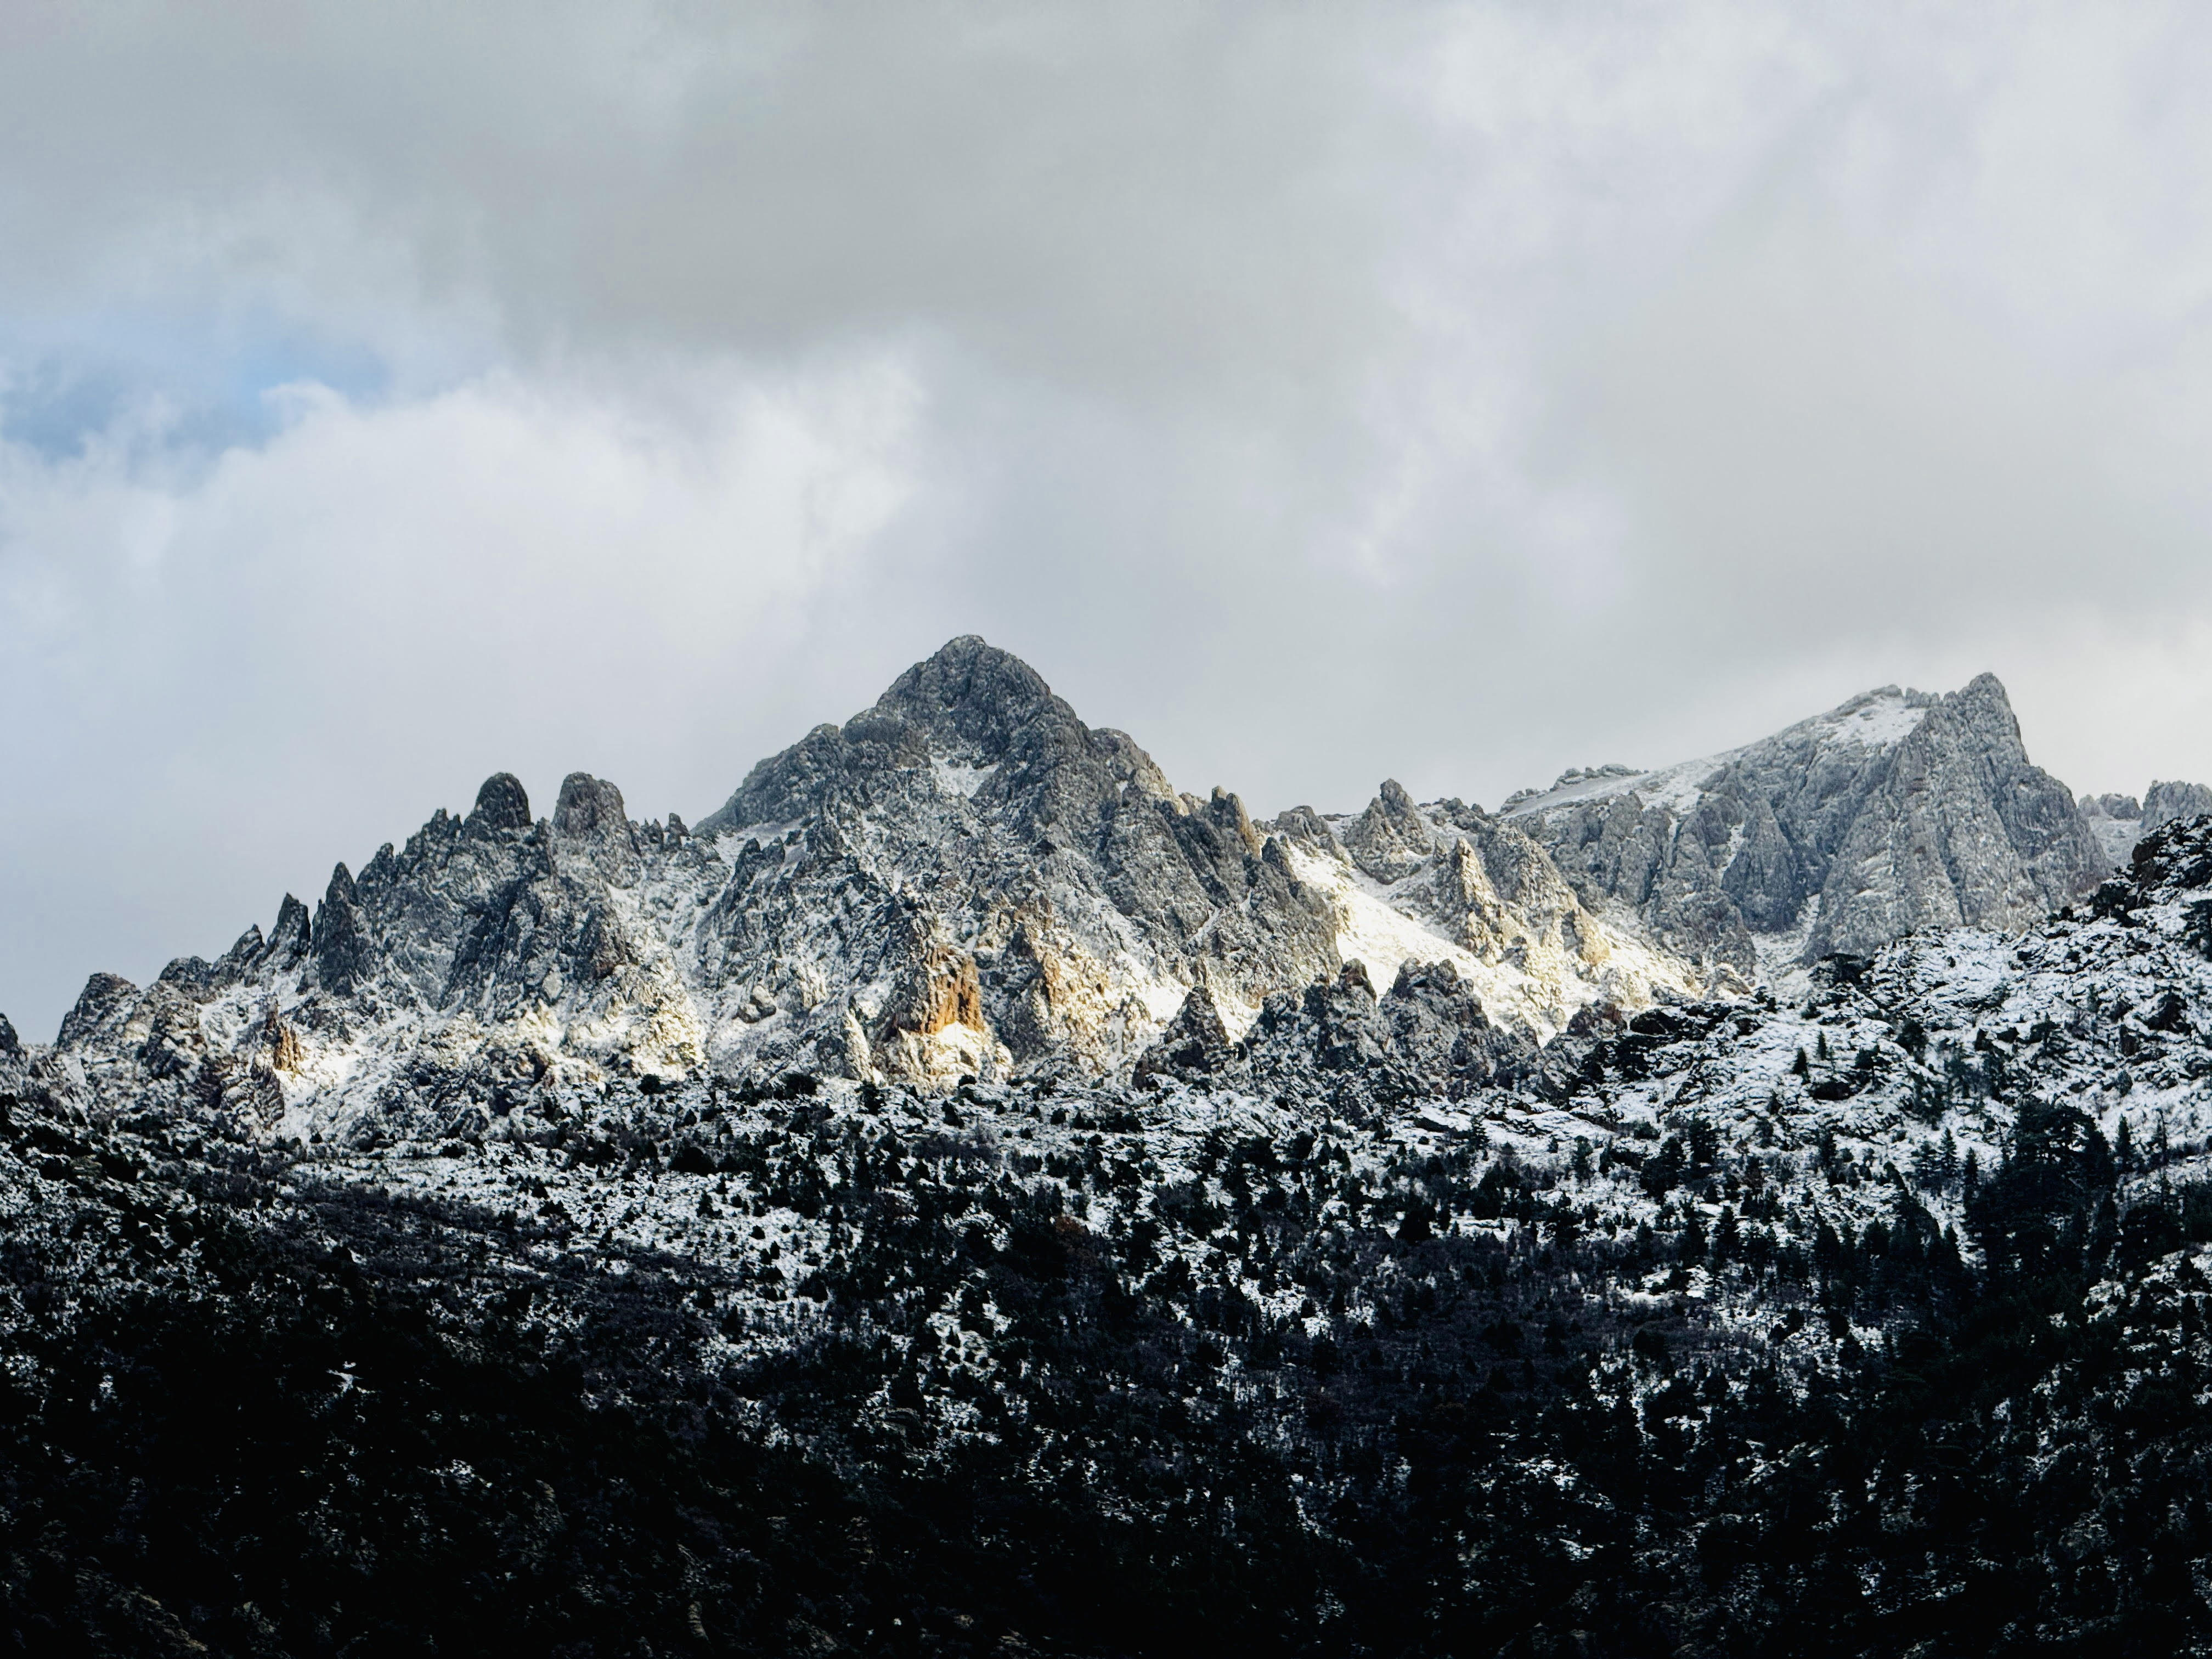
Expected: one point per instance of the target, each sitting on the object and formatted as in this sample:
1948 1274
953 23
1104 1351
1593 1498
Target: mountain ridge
964 880
493 1257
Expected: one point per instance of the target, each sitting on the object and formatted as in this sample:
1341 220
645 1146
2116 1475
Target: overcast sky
393 394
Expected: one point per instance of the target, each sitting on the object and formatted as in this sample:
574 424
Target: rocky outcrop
1391 839
2163 803
589 819
14 1058
963 882
101 1008
1446 882
2119 822
1194 1044
1896 810
1428 1036
2172 862
1957 828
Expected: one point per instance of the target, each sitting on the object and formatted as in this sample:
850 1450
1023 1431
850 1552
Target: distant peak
964 668
588 806
970 692
2167 800
968 704
104 995
1981 703
502 804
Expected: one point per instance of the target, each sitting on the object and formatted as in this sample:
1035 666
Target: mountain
1895 811
1350 1233
2170 803
964 880
1870 1324
2119 822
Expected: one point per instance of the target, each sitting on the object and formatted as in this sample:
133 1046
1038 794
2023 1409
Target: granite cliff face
1896 810
964 881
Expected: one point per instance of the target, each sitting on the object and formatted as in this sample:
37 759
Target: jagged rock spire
502 804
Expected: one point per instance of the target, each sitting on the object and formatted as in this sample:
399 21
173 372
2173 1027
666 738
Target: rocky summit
2119 822
967 1196
1896 810
963 881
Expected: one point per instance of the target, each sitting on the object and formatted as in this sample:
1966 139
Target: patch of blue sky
190 386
